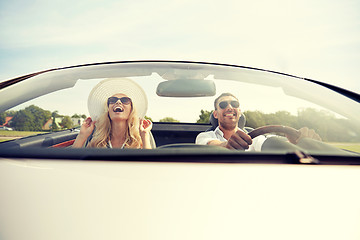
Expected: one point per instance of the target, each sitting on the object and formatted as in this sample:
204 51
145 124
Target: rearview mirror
186 88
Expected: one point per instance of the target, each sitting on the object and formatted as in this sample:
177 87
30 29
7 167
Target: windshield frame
164 69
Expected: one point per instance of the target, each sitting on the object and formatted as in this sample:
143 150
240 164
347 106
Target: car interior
180 83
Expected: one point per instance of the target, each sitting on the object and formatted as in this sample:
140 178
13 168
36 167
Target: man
228 134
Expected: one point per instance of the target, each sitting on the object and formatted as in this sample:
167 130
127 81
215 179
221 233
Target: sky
313 39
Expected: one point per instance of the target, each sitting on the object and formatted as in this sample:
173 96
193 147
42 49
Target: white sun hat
108 87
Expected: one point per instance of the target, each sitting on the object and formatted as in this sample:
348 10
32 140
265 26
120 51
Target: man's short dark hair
223 95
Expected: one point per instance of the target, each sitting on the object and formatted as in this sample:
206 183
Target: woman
114 123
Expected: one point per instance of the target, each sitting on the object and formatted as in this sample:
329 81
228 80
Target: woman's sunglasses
123 100
224 104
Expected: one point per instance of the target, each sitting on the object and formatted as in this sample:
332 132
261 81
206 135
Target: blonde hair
102 133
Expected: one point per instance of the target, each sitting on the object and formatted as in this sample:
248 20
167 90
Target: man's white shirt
205 137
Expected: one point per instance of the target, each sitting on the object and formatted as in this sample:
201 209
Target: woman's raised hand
85 130
145 126
87 127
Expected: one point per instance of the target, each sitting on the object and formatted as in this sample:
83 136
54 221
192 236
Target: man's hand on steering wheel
304 133
239 140
292 134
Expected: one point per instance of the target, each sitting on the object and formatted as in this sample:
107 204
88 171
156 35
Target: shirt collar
218 131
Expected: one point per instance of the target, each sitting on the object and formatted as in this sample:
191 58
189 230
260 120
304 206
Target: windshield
180 92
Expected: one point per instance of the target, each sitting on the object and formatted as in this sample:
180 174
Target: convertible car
180 189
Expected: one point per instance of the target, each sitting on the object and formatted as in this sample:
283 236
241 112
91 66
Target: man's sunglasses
123 100
224 104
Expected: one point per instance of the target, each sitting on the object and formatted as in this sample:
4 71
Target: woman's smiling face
119 111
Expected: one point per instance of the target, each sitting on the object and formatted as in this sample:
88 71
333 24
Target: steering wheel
291 132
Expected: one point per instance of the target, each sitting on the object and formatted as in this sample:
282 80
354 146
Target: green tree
32 118
2 118
168 119
280 118
10 113
23 121
326 125
254 119
66 122
41 116
149 118
83 116
204 116
54 115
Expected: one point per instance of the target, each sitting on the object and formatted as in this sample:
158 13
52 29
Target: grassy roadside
18 133
355 147
9 135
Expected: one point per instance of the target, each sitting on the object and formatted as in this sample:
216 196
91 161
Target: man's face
229 115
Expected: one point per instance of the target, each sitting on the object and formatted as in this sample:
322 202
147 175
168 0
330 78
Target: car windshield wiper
302 157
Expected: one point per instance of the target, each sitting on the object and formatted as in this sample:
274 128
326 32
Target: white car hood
60 199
